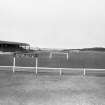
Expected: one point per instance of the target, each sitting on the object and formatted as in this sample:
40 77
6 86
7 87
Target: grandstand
7 46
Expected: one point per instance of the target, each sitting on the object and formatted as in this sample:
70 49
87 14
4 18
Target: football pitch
80 80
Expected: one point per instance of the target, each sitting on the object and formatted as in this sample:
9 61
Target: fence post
67 56
50 55
84 71
14 60
36 66
60 72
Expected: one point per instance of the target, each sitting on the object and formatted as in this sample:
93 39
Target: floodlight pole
14 60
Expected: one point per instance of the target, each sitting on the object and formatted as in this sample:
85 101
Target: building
8 46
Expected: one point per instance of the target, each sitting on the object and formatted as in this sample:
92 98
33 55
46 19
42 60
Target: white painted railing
36 68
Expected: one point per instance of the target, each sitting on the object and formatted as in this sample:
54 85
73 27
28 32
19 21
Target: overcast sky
54 23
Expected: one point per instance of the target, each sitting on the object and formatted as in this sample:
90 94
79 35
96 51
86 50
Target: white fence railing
47 69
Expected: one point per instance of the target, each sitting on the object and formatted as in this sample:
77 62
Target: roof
14 43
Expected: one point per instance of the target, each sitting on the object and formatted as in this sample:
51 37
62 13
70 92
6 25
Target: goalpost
60 53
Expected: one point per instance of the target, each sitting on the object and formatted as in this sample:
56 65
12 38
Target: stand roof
14 43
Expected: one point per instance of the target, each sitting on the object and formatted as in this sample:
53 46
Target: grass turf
82 59
25 89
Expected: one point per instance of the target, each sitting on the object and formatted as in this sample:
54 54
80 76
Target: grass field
72 88
82 59
23 88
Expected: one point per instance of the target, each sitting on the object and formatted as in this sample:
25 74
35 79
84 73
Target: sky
53 23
